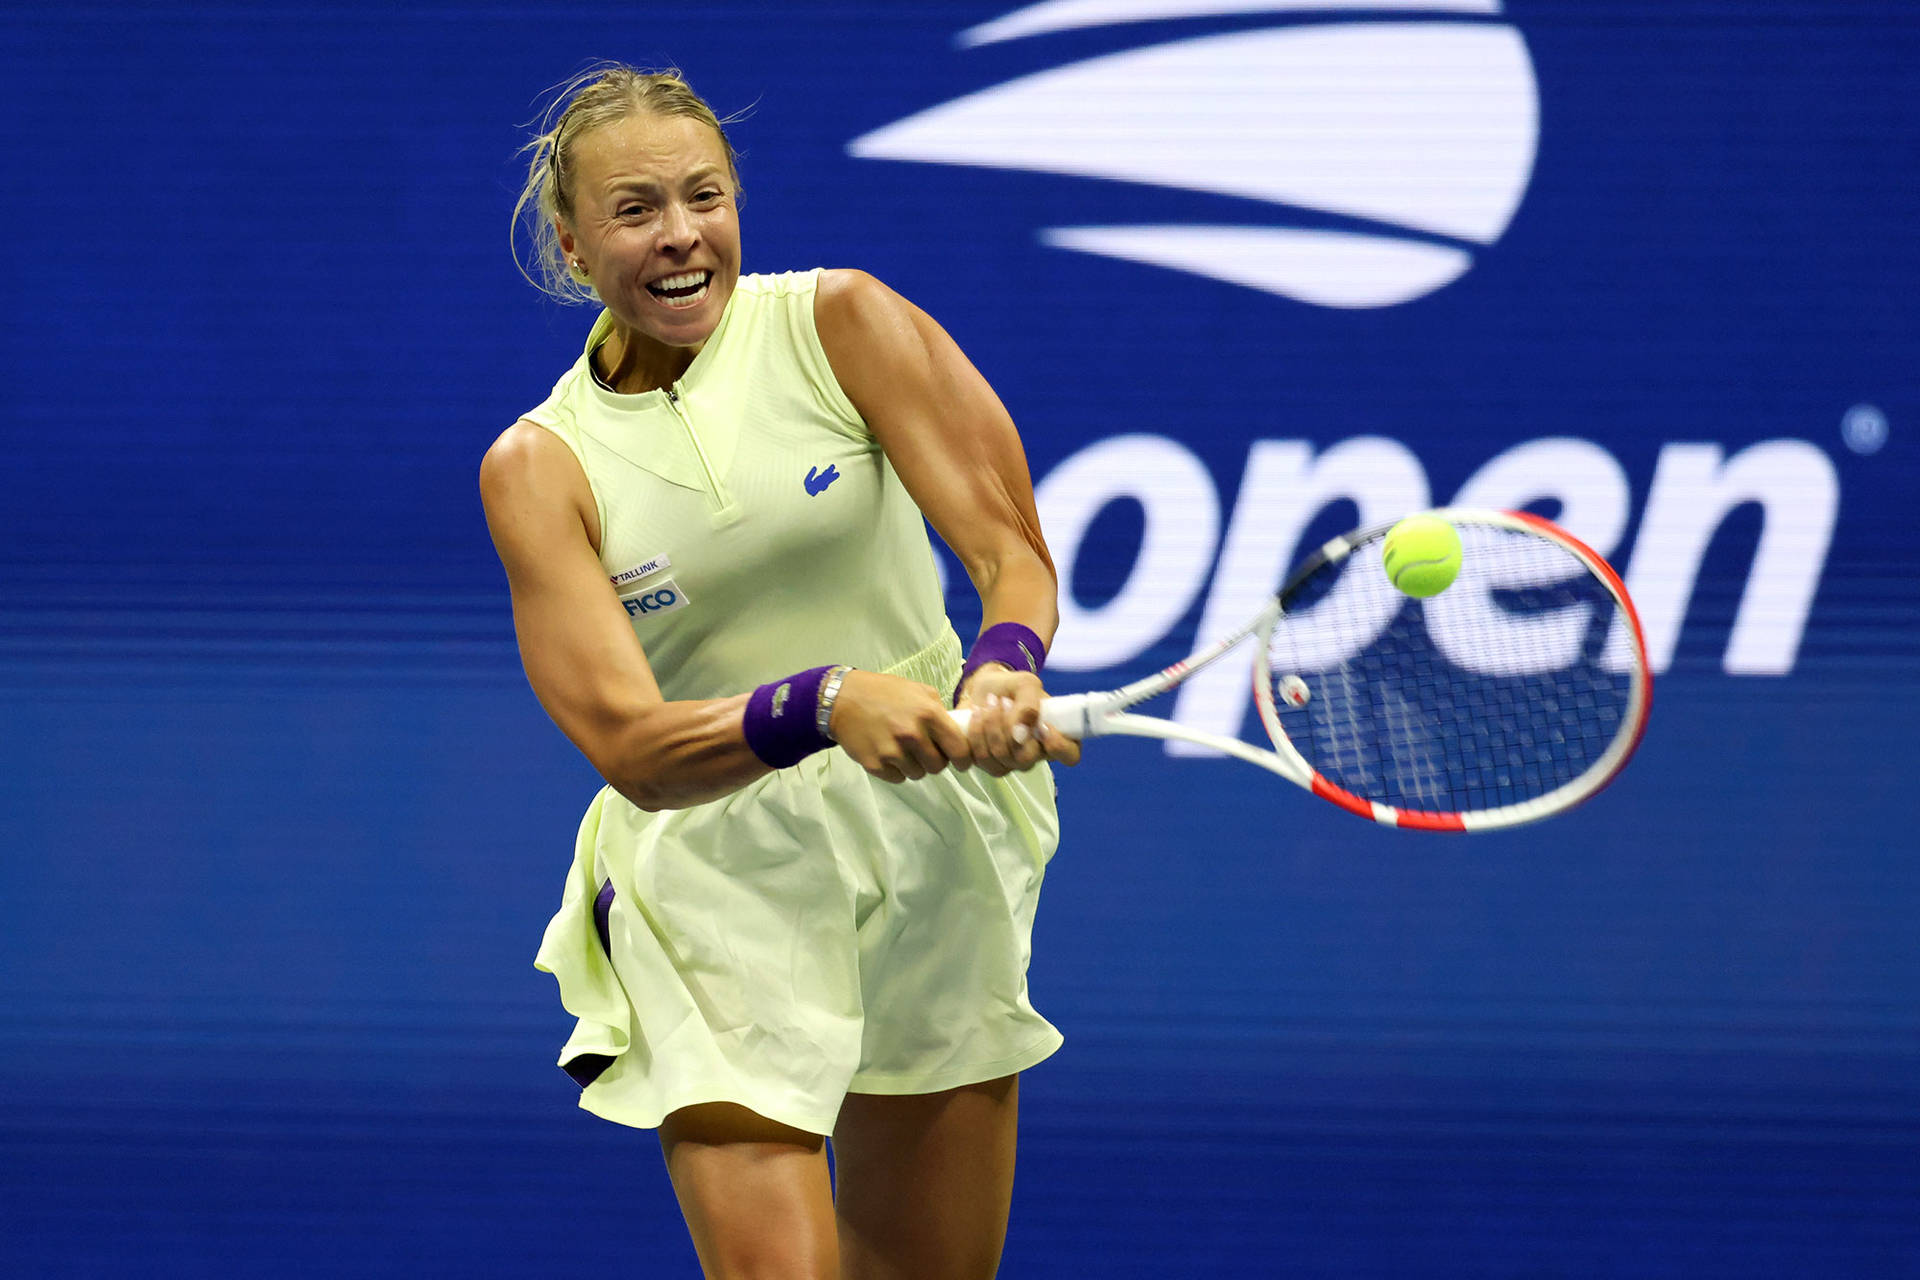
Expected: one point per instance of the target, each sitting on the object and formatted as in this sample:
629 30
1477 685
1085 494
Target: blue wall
280 822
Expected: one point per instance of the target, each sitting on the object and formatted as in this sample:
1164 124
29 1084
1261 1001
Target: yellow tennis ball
1422 555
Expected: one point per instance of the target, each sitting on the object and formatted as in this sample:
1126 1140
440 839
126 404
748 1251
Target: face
655 225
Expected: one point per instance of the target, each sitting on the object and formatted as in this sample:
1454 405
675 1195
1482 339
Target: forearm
1019 587
673 755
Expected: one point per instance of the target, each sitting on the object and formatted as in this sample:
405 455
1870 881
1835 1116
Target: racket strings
1498 691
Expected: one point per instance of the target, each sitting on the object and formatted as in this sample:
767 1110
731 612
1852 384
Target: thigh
923 1182
756 1193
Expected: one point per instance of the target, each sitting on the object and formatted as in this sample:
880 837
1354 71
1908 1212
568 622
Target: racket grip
1070 713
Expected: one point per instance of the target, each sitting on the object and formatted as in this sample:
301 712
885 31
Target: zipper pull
673 396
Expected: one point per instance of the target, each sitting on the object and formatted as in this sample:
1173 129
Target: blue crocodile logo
817 480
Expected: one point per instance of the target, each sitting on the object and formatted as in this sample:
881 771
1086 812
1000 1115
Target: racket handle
1072 714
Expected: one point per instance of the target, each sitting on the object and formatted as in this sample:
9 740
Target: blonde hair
600 95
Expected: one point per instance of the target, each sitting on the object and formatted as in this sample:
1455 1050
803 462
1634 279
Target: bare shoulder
868 331
525 454
846 291
529 474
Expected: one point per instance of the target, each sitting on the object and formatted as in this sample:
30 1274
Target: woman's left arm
955 448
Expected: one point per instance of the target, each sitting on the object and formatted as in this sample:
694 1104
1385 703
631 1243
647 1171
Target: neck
629 363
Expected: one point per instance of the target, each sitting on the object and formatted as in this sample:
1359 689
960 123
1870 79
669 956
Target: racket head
1515 694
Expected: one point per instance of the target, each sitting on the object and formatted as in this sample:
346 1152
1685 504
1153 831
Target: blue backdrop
280 822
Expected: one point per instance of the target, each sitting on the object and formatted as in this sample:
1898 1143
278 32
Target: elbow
660 760
651 803
640 795
632 785
643 780
649 796
649 792
625 756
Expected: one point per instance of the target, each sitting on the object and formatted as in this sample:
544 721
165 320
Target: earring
579 268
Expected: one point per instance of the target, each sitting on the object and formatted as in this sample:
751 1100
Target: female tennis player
802 904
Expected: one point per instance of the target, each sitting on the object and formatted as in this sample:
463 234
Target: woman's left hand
1006 732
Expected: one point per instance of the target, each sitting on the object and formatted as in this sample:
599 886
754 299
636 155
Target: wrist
829 693
1009 644
782 719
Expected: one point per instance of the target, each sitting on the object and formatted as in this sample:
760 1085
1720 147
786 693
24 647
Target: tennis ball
1422 555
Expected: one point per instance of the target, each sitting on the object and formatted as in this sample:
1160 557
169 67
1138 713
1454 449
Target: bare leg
756 1194
925 1181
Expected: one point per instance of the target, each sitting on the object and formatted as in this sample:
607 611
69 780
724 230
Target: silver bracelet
829 690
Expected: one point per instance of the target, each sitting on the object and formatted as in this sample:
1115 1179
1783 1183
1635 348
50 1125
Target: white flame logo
1424 131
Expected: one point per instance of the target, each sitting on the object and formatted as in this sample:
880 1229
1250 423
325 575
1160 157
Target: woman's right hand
896 728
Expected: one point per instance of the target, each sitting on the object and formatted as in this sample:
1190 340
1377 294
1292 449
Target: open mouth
683 290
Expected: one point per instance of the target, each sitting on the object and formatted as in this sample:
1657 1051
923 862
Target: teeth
687 281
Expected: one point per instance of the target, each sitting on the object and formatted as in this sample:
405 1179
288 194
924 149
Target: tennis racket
1513 695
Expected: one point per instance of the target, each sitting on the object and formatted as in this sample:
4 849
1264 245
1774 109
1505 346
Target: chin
694 333
691 327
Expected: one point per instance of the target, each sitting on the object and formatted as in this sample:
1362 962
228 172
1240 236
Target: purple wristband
1018 647
781 722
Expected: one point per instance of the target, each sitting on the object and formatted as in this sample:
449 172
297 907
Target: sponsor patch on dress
658 597
644 569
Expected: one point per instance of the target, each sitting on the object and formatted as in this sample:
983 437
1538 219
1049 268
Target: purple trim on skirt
603 918
588 1067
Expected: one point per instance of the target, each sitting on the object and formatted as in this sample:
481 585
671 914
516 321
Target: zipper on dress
720 499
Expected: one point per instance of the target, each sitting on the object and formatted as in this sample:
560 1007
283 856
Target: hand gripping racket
1513 695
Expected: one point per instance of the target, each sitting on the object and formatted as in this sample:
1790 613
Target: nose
677 233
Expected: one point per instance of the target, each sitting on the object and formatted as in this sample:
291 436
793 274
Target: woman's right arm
580 653
588 670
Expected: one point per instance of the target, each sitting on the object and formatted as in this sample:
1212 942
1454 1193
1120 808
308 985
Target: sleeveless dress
818 931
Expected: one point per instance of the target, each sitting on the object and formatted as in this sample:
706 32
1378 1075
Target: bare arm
949 437
955 448
580 653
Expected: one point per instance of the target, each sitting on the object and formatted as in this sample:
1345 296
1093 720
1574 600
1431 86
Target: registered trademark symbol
1864 428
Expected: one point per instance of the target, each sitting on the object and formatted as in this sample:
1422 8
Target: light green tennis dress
818 931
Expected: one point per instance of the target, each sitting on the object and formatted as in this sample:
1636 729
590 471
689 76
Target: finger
985 723
1025 717
1024 731
1059 747
1029 752
901 760
925 756
956 747
987 736
1014 735
977 734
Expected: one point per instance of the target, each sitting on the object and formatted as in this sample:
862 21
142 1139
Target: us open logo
1417 136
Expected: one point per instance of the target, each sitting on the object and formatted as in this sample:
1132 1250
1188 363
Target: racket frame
1089 715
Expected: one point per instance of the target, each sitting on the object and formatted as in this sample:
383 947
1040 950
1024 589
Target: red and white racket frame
1626 739
1089 715
1097 714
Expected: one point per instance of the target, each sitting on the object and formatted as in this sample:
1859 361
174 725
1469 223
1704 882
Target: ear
565 235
